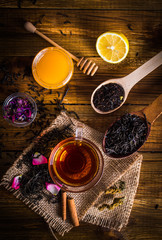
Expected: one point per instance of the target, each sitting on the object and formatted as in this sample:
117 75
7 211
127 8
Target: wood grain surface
83 4
75 25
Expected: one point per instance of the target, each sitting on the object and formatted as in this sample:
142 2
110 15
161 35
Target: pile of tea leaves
34 179
126 135
108 97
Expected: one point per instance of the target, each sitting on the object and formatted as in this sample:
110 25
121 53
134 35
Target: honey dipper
86 65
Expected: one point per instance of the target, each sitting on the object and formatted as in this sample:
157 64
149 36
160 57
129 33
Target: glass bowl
52 68
63 173
32 107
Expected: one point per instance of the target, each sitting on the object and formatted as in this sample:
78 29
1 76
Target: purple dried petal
39 159
53 188
18 109
16 182
13 118
29 114
20 101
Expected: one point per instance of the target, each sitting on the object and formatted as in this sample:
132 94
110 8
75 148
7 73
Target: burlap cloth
126 169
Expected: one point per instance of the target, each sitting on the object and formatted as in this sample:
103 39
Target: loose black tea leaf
16 134
33 181
67 21
64 93
130 27
58 93
42 89
7 76
64 34
48 141
53 198
34 2
126 135
27 72
74 113
1 135
108 97
19 2
156 206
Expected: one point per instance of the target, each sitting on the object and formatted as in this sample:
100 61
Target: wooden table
75 25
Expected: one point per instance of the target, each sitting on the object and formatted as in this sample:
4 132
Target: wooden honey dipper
86 65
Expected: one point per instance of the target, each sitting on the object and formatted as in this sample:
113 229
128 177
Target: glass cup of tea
76 164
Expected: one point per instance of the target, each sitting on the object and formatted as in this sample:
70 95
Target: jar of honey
52 68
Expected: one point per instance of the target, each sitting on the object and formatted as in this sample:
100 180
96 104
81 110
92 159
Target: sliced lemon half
112 47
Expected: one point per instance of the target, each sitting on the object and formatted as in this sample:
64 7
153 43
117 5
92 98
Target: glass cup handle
79 132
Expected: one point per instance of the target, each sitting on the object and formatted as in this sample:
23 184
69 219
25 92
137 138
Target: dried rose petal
53 188
19 109
16 182
39 159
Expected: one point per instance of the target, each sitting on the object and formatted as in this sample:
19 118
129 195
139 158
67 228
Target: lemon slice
112 47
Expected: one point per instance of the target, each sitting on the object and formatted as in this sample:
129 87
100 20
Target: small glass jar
33 109
52 68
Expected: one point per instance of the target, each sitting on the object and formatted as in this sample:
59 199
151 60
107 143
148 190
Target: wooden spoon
86 65
149 114
130 80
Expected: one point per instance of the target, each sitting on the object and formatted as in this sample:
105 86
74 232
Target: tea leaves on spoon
126 135
108 97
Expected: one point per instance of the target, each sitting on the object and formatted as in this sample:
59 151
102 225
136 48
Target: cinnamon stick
63 195
73 213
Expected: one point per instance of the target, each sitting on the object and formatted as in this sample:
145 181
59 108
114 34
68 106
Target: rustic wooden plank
140 21
146 215
145 220
81 86
88 116
81 31
150 181
143 232
74 4
101 123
